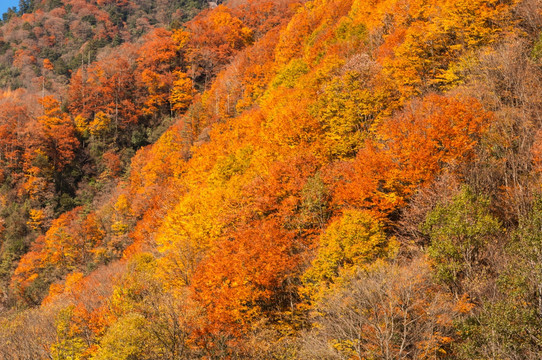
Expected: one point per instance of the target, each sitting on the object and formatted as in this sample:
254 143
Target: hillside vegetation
271 179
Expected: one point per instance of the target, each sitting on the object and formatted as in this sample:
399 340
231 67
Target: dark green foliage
117 14
26 6
12 11
60 67
4 46
15 229
91 19
52 4
49 53
28 27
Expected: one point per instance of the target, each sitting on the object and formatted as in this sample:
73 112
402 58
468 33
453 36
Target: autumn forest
271 179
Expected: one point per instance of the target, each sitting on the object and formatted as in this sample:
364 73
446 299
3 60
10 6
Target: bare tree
390 312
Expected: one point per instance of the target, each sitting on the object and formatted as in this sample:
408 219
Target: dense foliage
271 179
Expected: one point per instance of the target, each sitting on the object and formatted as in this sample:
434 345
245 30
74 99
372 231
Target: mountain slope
338 179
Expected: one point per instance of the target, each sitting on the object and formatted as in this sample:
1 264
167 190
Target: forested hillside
271 179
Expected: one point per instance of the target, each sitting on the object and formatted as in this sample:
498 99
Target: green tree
460 232
508 323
